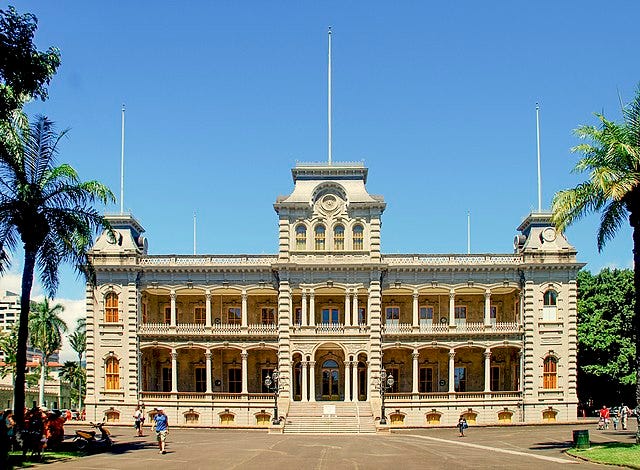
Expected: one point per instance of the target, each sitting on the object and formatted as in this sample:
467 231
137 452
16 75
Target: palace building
489 336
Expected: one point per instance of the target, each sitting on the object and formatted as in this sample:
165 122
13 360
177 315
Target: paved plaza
441 448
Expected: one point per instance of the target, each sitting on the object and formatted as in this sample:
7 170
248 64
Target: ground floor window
201 379
235 380
460 379
166 379
426 380
495 378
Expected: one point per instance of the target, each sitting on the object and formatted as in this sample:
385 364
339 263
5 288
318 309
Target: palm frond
613 216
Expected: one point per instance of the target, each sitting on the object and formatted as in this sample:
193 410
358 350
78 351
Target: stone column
245 372
303 320
304 371
347 381
487 370
354 382
174 370
416 307
355 310
243 310
347 309
452 366
312 381
207 356
487 308
312 308
207 296
368 388
416 377
172 295
452 309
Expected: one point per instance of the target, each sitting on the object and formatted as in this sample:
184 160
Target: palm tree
611 157
75 375
9 345
78 341
49 212
46 328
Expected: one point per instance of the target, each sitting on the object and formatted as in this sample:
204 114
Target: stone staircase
329 418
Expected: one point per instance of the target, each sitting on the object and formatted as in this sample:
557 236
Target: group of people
618 416
160 425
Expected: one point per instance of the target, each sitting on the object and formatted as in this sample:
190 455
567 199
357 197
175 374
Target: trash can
581 439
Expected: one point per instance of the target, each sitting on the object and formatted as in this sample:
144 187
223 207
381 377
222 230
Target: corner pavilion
490 336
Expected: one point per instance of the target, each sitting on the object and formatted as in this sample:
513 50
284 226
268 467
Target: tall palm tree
611 158
9 345
78 341
45 331
48 211
75 375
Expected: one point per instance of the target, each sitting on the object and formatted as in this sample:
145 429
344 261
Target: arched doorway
330 380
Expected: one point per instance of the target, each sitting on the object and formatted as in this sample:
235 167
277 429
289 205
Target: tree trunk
635 224
23 335
80 383
43 376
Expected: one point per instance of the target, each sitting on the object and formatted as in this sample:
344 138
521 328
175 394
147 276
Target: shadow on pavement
551 445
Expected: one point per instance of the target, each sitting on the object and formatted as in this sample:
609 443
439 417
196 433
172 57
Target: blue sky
439 101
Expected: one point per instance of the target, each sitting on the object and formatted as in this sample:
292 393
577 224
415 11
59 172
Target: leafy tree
48 211
606 351
25 72
76 376
9 346
78 341
46 328
611 158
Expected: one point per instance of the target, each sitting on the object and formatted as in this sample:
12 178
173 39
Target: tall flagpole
194 232
468 232
539 177
329 96
122 167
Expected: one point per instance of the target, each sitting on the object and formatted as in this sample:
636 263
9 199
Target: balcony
201 397
400 398
401 329
198 329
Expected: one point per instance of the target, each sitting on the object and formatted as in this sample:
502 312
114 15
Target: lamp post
272 383
386 383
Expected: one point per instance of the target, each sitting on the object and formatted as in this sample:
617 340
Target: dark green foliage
24 71
606 338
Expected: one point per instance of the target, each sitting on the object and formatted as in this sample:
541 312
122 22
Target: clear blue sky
438 98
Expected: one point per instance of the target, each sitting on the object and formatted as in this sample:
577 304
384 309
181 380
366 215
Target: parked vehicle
87 439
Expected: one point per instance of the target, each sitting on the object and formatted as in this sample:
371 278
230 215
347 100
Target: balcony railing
445 396
458 260
198 329
444 329
201 396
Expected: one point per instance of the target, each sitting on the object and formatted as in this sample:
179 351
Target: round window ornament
549 234
329 202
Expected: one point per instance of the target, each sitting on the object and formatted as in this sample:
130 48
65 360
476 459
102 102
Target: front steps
329 417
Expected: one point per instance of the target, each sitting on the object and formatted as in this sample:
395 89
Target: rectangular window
166 379
495 378
460 379
199 315
113 374
268 316
111 308
362 316
426 315
235 380
330 315
493 313
264 374
460 314
426 380
167 315
201 379
392 315
144 313
234 315
297 316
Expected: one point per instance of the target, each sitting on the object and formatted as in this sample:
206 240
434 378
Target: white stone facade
491 336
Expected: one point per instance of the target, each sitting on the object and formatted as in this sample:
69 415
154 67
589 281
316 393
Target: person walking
624 416
161 427
138 417
462 425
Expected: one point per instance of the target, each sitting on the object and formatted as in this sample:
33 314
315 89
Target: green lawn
15 458
615 453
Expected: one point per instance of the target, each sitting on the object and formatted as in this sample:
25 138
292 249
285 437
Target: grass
15 458
614 453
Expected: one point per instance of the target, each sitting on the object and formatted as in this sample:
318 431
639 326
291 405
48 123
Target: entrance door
330 380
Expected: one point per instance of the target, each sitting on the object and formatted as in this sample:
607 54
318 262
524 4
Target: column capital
207 293
174 354
312 363
208 354
416 294
172 294
415 354
244 294
487 293
452 353
244 354
452 294
487 353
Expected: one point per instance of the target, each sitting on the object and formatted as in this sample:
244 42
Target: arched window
320 237
550 374
358 237
549 309
338 238
301 237
112 374
111 307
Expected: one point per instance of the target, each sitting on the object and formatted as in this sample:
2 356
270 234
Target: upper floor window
167 314
112 375
392 315
460 313
111 307
362 316
297 316
358 237
301 237
330 315
338 238
320 237
199 315
426 314
550 374
268 316
549 309
234 315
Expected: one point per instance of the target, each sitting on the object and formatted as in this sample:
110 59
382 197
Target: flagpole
469 232
194 232
122 167
329 96
539 175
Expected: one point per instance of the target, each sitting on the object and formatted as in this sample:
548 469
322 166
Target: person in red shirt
605 417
